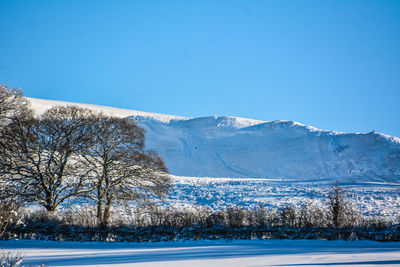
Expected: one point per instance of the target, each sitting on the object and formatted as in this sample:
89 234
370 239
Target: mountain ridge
41 105
226 146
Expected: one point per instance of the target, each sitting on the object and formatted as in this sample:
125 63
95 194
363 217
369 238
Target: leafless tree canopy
122 170
39 157
12 104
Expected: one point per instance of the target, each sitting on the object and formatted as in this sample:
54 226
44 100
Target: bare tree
39 158
12 105
70 151
337 206
122 170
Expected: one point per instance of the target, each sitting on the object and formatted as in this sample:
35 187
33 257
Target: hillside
221 146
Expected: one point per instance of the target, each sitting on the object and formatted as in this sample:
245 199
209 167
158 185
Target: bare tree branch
40 156
122 170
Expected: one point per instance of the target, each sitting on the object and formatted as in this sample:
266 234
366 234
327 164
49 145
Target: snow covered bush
153 223
9 214
10 259
41 217
313 215
81 215
289 216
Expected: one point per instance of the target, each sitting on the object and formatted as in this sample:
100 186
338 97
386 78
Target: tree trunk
100 211
106 215
49 203
50 208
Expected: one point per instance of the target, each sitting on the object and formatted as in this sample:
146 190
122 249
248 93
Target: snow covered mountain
222 146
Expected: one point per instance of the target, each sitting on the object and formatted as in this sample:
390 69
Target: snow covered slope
223 146
41 105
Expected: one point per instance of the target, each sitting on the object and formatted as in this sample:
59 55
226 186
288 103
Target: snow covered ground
307 161
371 198
301 162
209 253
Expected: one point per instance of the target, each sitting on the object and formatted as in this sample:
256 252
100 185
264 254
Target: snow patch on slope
41 105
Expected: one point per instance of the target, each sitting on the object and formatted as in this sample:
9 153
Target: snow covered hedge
153 223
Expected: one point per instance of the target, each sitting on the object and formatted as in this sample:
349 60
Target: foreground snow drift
208 253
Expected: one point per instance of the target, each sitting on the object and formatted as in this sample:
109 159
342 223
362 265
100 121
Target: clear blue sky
330 64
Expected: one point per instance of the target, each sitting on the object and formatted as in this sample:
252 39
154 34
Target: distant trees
336 206
74 152
342 214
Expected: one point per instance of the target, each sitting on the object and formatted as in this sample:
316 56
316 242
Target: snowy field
371 198
209 253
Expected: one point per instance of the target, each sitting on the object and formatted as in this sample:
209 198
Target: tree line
69 152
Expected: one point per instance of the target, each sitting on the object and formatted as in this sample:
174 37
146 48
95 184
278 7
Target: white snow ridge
222 146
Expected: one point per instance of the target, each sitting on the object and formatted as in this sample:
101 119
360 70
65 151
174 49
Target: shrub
10 259
288 216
